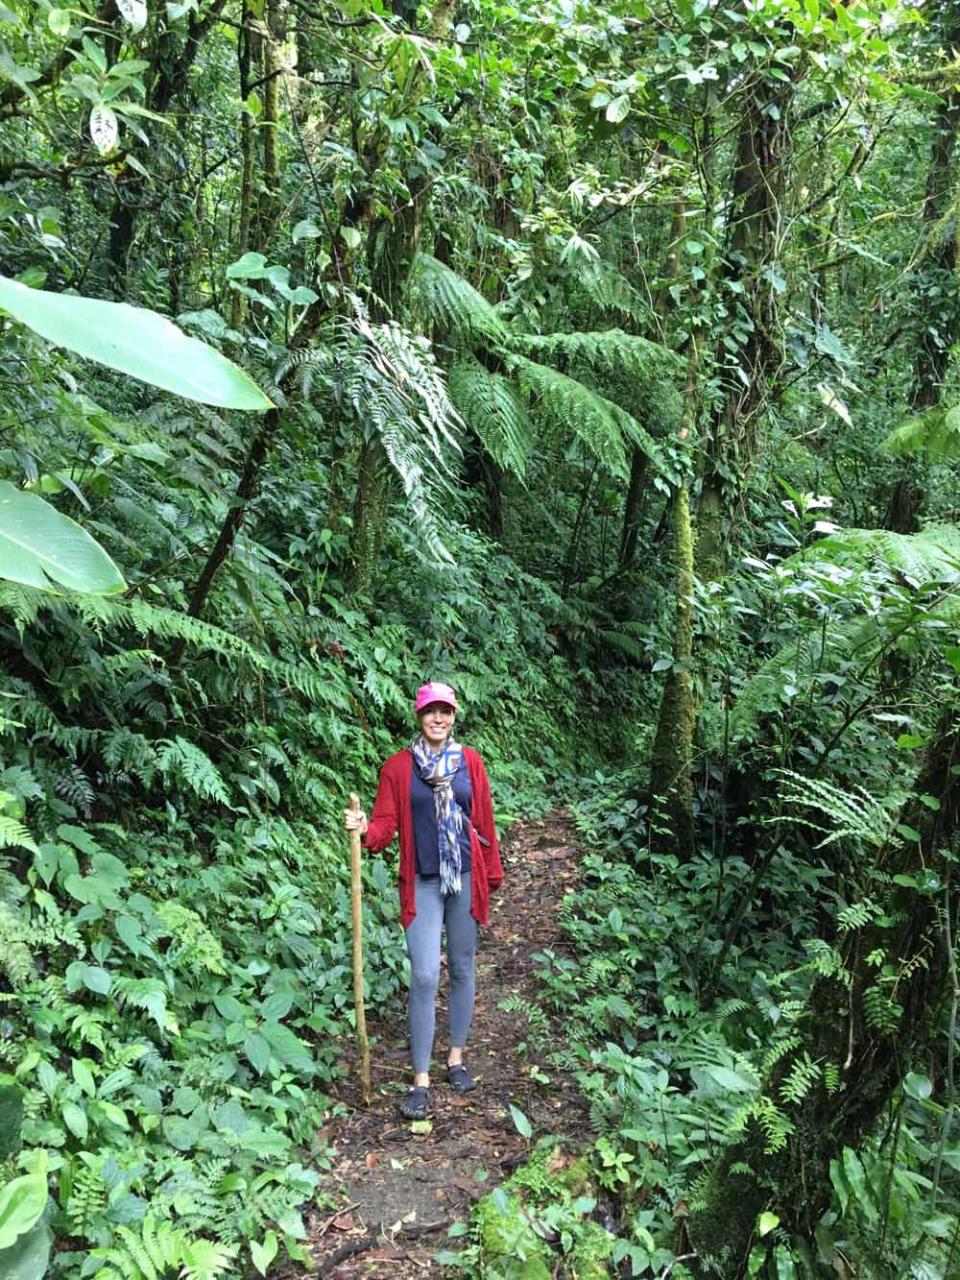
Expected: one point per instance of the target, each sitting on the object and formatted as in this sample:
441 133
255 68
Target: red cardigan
392 811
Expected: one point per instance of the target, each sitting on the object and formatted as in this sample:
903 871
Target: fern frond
610 290
565 404
853 815
607 350
491 405
205 1260
14 835
932 555
935 432
186 763
454 303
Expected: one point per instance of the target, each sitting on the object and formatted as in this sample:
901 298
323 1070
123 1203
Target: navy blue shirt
426 837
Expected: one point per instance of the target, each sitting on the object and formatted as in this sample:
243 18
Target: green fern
14 835
932 555
880 1011
773 1123
149 994
160 1251
800 1079
88 1194
609 350
935 432
194 944
853 815
16 957
566 405
453 303
491 405
187 764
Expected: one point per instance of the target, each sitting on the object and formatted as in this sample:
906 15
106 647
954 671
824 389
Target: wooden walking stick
357 914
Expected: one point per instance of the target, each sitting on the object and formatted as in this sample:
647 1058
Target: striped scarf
437 771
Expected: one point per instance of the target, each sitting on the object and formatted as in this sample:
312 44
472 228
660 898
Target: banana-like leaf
40 547
135 341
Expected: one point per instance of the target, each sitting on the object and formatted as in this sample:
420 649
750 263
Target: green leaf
252 266
766 1222
29 1257
263 1254
523 1125
917 1086
351 237
75 1118
135 341
40 547
618 109
258 1051
306 230
21 1203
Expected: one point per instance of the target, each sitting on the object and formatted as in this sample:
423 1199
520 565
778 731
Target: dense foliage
598 359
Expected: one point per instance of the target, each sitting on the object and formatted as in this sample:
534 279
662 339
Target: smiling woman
435 793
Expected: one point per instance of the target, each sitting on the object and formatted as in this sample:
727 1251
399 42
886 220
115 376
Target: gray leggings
423 945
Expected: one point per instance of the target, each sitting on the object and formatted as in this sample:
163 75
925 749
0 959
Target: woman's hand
355 820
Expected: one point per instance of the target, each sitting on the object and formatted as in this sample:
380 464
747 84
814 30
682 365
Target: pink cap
434 692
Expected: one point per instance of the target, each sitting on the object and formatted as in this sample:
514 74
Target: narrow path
399 1189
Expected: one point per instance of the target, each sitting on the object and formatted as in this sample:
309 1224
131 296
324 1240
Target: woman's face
436 721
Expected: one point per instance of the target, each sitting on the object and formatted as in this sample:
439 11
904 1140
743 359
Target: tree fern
608 349
456 305
610 290
566 405
935 432
491 405
932 555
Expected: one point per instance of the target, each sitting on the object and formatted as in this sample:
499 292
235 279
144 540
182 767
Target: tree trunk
937 296
639 463
872 1031
369 517
671 781
238 303
756 230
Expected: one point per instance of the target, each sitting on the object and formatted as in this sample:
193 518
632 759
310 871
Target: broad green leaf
258 1051
75 1118
523 1125
618 109
21 1203
917 1086
263 1254
29 1257
766 1222
135 341
41 547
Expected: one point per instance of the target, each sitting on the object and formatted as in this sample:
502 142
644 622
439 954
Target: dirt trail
400 1190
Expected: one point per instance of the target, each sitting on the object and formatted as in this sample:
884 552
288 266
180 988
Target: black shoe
461 1081
416 1104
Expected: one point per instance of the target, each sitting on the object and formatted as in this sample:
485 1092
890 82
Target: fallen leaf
372 1159
343 1222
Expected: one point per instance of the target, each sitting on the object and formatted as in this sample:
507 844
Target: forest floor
396 1190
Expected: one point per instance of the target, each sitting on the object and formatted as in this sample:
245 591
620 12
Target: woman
436 794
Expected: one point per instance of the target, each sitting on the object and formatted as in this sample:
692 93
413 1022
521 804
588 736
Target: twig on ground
347 1208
